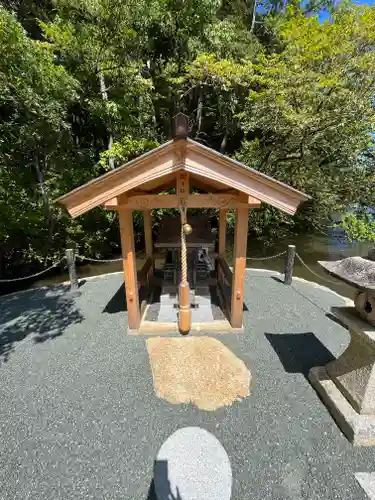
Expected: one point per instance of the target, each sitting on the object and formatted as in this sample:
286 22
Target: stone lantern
347 384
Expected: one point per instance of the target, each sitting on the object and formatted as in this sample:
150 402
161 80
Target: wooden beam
182 187
155 184
129 263
143 273
111 204
239 267
223 265
225 200
149 201
213 185
137 172
164 187
153 168
203 186
114 203
213 166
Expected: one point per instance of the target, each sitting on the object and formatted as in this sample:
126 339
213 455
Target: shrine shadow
299 352
41 313
117 303
164 485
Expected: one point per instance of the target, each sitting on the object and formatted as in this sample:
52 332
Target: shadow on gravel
299 352
43 313
163 484
117 303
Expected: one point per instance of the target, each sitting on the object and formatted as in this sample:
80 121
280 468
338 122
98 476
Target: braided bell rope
183 249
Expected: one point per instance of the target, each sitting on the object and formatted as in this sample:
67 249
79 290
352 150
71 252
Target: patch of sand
198 370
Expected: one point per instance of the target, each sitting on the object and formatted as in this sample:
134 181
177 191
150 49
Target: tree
34 95
306 110
100 42
309 116
88 84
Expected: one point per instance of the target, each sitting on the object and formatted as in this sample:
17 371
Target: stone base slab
359 429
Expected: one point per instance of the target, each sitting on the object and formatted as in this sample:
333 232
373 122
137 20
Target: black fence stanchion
71 263
289 264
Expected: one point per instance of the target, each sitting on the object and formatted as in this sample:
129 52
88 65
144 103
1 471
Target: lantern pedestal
347 384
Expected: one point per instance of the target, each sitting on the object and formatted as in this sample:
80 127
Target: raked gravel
79 418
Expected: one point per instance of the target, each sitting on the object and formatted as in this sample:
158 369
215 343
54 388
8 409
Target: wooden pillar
130 270
147 226
239 266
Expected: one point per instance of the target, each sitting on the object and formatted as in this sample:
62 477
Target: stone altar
347 384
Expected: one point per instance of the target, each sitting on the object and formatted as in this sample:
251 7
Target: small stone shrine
200 244
347 384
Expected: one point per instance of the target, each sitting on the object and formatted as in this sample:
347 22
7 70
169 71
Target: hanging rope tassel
184 317
183 257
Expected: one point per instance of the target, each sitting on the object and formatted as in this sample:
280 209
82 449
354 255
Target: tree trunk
103 91
199 111
2 267
45 199
224 141
140 113
253 16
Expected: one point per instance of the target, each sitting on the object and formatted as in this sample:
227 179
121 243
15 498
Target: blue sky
323 15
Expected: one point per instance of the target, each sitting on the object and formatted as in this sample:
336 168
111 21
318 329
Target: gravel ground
79 418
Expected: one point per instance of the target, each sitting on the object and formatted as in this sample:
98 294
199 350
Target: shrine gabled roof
188 155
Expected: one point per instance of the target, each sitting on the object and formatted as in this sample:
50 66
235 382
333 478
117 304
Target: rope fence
62 259
35 275
267 258
291 254
104 261
71 257
313 272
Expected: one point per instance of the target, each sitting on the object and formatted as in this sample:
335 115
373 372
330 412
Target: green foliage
309 116
359 227
125 150
34 97
86 85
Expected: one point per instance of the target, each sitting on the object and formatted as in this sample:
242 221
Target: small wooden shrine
183 174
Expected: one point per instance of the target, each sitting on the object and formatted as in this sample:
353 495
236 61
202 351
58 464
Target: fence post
71 263
289 264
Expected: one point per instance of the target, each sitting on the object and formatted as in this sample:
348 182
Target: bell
187 229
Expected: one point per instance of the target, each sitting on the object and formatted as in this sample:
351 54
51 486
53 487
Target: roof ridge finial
181 126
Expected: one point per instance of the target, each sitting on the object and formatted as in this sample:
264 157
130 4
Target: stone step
201 314
168 299
202 300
